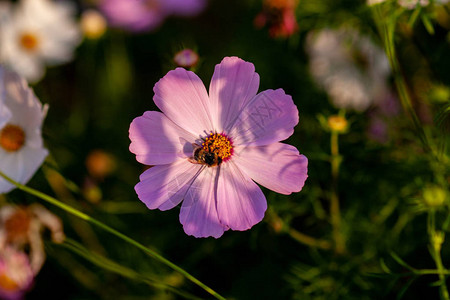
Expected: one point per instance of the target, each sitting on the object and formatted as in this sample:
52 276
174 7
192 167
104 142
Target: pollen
219 144
29 41
12 138
17 225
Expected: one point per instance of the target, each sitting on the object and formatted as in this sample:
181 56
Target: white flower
21 117
410 4
21 228
37 33
373 2
351 69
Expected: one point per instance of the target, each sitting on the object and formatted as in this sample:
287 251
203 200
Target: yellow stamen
219 144
12 138
29 41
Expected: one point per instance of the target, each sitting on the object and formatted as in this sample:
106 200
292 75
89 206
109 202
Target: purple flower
142 15
209 149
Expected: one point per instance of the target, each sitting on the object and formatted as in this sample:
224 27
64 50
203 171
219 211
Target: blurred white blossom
350 67
37 33
410 4
21 228
21 117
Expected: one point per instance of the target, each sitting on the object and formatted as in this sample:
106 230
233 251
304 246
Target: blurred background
387 114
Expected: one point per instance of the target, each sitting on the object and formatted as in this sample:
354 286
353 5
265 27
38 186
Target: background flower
21 146
141 15
16 276
37 33
350 67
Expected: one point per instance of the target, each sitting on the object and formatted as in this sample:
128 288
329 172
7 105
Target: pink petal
240 202
278 167
131 14
198 211
182 97
270 117
156 140
233 85
164 186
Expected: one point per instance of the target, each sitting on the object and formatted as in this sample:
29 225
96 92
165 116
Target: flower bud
437 239
337 123
186 58
93 24
434 196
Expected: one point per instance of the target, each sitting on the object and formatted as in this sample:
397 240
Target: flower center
28 41
7 283
218 144
12 138
215 149
17 225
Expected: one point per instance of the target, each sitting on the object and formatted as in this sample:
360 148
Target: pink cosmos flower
208 150
141 15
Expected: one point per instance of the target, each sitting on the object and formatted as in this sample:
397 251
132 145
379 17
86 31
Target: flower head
186 58
337 123
351 69
21 117
21 228
36 33
143 15
208 150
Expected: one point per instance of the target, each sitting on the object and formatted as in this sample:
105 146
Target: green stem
308 240
111 230
279 225
335 212
441 269
436 254
387 34
115 267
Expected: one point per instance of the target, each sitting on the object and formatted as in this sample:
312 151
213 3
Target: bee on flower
209 150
